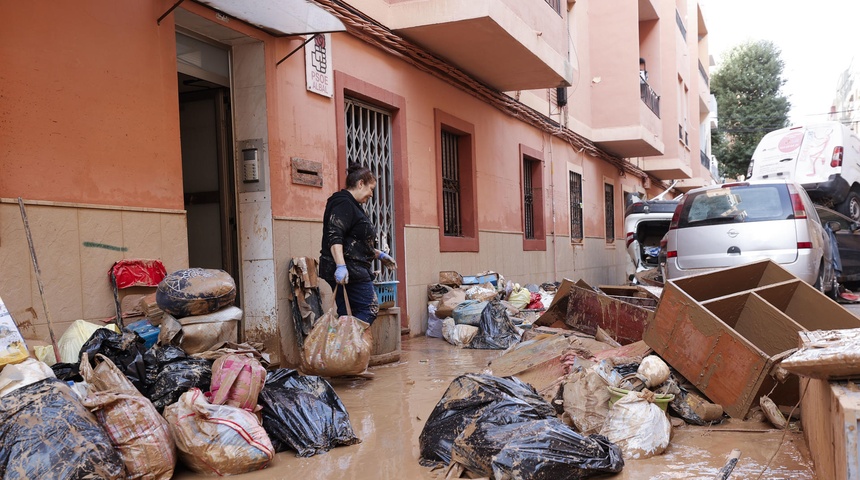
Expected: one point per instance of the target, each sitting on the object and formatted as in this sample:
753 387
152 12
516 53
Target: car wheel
820 281
851 206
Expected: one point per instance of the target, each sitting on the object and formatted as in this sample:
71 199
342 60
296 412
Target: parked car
823 157
645 223
847 241
721 226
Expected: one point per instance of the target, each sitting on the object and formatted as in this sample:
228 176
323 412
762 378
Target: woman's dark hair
355 173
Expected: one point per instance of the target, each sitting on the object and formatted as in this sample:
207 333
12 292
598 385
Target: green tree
749 103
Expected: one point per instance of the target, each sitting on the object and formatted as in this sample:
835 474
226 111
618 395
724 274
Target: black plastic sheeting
67 371
496 330
303 413
501 427
45 432
125 350
170 373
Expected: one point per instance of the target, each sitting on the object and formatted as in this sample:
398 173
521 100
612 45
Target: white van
823 157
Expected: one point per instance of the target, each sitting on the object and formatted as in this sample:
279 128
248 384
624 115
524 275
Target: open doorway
206 133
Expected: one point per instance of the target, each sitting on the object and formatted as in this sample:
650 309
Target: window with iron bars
576 233
453 224
609 199
528 200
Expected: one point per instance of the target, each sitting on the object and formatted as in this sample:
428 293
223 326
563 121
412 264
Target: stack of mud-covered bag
198 309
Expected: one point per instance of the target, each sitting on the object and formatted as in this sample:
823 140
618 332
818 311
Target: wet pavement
389 411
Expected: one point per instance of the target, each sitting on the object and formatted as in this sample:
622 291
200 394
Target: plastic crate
386 292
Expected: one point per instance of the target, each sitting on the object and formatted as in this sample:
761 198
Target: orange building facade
507 135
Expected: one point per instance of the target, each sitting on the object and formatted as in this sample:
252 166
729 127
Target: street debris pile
621 366
133 402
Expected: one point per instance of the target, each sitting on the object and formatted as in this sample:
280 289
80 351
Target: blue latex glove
341 275
387 260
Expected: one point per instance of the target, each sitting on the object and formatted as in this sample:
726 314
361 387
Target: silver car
727 225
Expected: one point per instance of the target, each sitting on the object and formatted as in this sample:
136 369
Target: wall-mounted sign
318 68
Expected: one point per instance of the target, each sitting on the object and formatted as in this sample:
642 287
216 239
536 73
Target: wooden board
831 425
385 331
528 354
587 310
826 354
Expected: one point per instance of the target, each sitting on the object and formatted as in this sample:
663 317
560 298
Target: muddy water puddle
389 411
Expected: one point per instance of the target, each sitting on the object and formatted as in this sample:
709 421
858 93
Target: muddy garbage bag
217 439
170 373
465 400
138 433
586 400
45 432
496 330
469 312
125 350
480 415
535 449
337 346
303 413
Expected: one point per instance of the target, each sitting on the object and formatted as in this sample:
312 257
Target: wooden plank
826 354
526 355
831 418
557 310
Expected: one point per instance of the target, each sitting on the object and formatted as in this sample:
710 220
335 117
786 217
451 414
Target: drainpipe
552 211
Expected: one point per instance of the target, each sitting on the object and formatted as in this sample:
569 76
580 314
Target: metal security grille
451 185
528 200
575 207
368 142
609 198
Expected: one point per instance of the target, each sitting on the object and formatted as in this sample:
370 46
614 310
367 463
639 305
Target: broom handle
39 280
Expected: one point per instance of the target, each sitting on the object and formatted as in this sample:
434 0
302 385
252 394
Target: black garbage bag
507 399
67 371
303 413
45 432
125 350
534 449
496 330
170 373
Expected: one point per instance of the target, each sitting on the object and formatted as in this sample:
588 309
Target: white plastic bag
638 426
434 323
458 335
653 371
71 341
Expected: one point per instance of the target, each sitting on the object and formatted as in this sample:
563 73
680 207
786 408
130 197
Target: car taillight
836 159
676 216
630 237
796 203
801 245
672 254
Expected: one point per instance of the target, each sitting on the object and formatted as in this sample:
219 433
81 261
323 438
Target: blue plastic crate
386 292
146 330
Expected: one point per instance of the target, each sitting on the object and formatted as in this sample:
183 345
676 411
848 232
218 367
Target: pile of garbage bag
489 315
118 408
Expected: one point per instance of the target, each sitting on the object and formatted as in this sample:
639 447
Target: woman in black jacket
349 245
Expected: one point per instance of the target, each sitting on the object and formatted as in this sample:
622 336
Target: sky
818 40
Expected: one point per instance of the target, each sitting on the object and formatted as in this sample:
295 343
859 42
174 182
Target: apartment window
457 205
609 203
555 4
453 226
680 23
534 230
576 233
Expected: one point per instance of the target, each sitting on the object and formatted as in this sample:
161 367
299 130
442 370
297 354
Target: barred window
528 199
609 198
575 207
453 225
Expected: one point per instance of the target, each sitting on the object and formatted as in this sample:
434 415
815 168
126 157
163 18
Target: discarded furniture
725 330
830 419
588 309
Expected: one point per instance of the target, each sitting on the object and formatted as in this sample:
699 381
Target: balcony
650 98
507 44
704 89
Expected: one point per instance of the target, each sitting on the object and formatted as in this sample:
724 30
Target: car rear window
736 204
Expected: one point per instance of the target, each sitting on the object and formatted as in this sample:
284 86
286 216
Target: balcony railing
706 160
680 24
704 73
650 97
555 4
